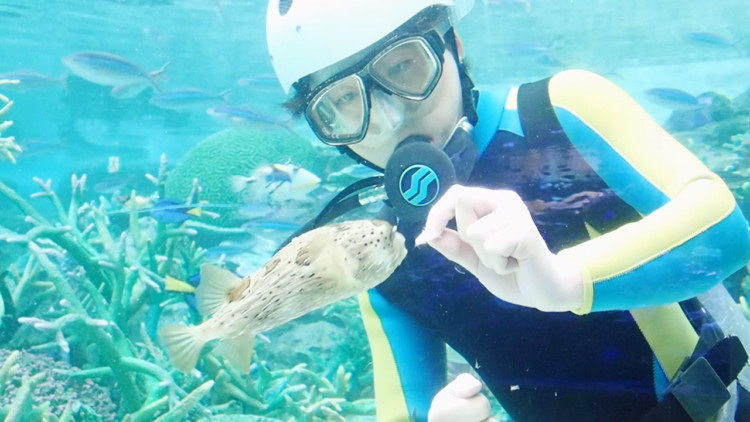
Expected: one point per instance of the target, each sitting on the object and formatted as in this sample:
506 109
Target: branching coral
93 295
94 281
8 145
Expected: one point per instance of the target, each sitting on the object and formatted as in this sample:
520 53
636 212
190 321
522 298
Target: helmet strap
468 94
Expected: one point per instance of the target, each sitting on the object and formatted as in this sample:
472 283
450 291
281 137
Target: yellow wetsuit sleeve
689 219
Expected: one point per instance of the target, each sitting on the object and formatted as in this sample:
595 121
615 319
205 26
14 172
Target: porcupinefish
315 269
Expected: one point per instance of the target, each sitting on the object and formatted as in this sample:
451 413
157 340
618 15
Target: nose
386 113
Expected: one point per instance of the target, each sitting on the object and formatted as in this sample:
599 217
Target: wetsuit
647 222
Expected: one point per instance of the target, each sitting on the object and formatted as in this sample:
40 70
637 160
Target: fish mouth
398 241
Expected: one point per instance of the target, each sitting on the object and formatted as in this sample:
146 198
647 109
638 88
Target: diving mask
338 110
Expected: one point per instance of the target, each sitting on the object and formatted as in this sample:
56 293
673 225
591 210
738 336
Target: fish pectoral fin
238 350
313 248
276 186
214 290
183 345
330 259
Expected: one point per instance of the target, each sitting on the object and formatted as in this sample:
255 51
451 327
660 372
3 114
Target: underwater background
112 196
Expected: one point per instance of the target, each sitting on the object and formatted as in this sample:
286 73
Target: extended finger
482 229
441 213
487 226
465 218
501 248
519 241
444 210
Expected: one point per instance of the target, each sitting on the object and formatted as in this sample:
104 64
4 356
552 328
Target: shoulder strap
538 119
666 328
489 111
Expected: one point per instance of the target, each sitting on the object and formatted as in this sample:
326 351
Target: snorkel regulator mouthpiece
418 173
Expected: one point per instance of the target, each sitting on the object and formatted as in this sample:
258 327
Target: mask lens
409 68
338 113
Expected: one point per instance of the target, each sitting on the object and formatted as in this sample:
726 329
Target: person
559 239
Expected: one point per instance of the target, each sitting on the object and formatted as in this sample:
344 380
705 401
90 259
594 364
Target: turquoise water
67 126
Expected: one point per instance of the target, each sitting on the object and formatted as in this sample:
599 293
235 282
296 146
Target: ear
459 47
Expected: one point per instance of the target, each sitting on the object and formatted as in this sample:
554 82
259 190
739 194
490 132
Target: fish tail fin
154 75
195 211
183 345
213 291
224 94
238 350
172 284
62 81
238 183
288 125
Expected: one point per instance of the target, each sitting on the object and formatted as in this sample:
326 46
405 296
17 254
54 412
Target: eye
345 98
399 68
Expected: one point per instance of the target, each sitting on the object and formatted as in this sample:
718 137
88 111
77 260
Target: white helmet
305 36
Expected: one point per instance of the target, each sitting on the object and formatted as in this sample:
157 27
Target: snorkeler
576 250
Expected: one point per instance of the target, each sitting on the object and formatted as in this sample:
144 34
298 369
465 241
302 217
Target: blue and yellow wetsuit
646 220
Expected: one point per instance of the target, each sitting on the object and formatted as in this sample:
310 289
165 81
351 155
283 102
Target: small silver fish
315 269
109 69
676 99
243 117
28 80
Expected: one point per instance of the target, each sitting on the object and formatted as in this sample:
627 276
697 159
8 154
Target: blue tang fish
172 211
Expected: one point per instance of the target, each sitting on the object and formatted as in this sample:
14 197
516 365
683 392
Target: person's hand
460 401
498 242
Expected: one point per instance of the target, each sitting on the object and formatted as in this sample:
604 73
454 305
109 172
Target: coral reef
233 152
91 294
81 285
719 135
8 145
53 391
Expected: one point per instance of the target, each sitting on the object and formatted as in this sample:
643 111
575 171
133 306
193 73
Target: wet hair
423 22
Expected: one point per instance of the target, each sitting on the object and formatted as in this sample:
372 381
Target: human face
433 118
338 110
391 116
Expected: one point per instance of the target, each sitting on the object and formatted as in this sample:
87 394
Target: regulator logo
419 185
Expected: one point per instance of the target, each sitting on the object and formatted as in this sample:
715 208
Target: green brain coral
232 152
